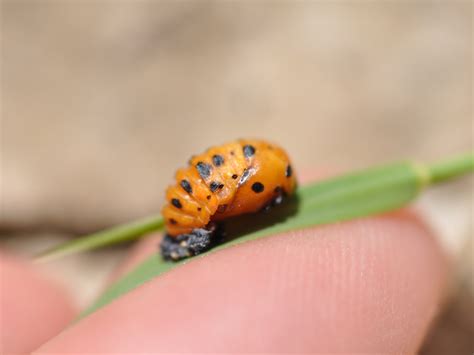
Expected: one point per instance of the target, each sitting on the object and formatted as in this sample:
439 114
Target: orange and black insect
240 177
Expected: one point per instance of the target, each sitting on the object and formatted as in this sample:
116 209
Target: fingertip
371 285
34 308
143 249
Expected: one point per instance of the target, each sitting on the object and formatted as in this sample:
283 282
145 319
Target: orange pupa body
240 177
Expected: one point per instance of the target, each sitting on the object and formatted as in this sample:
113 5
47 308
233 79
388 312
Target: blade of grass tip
114 235
451 168
353 195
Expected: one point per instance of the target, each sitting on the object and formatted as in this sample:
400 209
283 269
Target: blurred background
102 101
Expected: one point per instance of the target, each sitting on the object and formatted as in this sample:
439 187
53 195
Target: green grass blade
350 196
339 192
118 234
451 168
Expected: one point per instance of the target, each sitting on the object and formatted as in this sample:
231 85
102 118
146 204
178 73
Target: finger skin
33 308
142 250
371 285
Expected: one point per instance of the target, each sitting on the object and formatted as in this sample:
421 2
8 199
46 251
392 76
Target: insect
244 176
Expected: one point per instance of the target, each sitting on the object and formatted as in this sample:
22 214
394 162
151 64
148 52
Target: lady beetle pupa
240 177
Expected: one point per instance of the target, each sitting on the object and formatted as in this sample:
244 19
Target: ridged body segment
228 180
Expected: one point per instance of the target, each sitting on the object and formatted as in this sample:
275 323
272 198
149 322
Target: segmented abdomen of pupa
228 180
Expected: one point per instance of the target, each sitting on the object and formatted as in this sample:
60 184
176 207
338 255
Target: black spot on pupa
217 160
248 150
289 171
208 197
257 187
221 208
173 221
176 203
204 170
277 189
214 186
186 186
235 176
199 209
